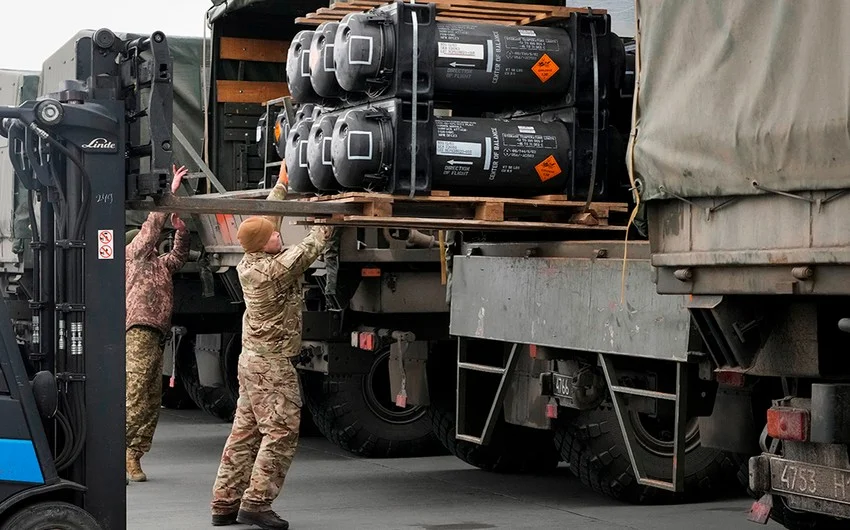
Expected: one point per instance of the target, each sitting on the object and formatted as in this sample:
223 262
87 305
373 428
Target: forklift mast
81 153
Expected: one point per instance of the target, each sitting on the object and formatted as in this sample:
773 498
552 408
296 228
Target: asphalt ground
328 488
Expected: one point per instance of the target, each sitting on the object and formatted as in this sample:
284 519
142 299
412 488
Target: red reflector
727 378
785 423
367 272
759 512
367 341
532 351
552 411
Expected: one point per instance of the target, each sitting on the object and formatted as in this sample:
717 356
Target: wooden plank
310 21
258 50
448 4
459 11
249 91
514 7
585 218
315 21
381 208
341 9
490 211
443 197
454 224
550 197
326 16
223 204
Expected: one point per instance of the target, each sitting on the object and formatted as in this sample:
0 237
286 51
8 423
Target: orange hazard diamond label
545 68
548 169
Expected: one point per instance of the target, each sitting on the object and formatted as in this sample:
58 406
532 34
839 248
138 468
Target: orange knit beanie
254 233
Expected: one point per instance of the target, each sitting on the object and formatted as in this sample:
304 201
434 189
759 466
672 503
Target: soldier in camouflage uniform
150 296
264 436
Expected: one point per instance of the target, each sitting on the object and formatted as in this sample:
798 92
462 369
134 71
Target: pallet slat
249 91
456 11
454 224
441 197
257 50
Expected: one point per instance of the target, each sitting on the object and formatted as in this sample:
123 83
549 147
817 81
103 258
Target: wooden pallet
443 211
507 14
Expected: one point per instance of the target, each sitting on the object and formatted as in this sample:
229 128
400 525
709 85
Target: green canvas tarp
737 92
295 8
15 88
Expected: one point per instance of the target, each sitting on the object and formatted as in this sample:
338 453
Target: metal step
680 398
463 367
641 392
480 368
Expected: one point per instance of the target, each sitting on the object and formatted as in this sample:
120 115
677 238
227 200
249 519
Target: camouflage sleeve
278 193
180 253
145 241
298 258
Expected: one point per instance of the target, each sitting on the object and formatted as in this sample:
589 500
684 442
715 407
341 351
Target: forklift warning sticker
545 68
105 245
548 169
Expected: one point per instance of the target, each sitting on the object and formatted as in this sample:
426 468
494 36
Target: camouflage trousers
144 387
264 436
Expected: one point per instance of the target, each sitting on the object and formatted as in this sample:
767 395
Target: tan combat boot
134 468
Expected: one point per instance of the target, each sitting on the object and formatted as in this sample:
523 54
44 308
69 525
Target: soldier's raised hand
177 223
178 177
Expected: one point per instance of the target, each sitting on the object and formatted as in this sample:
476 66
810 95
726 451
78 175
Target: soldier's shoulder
254 267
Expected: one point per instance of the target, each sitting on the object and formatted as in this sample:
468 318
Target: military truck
739 168
742 160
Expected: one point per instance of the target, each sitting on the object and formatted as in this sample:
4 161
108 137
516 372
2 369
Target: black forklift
81 153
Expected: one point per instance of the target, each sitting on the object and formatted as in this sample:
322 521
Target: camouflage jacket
150 293
272 290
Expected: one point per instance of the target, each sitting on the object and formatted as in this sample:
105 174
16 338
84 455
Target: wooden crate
508 14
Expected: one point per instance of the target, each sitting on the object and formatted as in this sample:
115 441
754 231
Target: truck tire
512 448
50 516
593 445
215 401
347 410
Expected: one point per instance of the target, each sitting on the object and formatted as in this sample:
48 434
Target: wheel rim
656 435
377 384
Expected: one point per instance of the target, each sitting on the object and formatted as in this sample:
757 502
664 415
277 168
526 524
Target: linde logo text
99 143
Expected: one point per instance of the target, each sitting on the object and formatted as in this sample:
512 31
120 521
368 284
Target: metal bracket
70 308
205 169
680 399
759 187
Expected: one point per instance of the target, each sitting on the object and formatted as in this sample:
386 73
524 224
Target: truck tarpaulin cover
292 8
740 91
15 88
